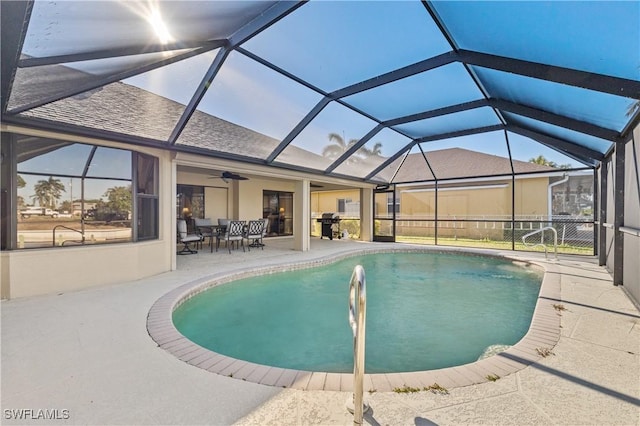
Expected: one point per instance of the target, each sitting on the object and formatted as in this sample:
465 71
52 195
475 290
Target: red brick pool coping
543 334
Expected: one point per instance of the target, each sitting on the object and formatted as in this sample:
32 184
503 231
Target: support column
302 216
602 214
618 220
172 184
366 214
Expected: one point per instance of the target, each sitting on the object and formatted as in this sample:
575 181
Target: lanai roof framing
562 74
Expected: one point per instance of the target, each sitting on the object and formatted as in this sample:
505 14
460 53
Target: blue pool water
424 311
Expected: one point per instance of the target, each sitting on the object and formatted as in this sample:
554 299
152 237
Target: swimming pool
425 311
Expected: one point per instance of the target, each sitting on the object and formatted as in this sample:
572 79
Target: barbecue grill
330 225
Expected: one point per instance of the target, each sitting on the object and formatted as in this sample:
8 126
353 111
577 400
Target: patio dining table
213 230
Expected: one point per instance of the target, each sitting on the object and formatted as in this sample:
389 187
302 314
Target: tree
66 206
540 159
373 152
21 184
48 192
119 198
338 147
117 206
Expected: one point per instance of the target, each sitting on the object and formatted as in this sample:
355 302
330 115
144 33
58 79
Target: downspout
550 196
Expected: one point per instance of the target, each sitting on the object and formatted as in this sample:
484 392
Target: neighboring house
460 199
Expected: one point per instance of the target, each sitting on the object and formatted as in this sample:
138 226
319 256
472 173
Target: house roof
269 81
455 163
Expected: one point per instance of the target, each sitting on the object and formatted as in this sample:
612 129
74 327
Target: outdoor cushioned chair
233 233
186 239
254 234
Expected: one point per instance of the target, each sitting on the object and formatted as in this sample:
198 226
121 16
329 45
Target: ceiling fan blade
234 176
227 176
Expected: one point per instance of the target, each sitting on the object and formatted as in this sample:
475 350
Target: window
190 204
391 207
342 202
67 194
348 208
147 189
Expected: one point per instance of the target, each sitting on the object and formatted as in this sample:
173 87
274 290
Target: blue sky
324 43
333 44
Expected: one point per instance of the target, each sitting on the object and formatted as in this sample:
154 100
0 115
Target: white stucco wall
631 274
74 268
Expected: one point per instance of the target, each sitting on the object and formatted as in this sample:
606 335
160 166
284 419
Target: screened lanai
419 100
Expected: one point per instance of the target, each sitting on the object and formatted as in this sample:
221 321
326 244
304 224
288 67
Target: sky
334 44
251 95
71 160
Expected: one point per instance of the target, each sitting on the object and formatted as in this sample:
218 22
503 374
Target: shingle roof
120 108
461 163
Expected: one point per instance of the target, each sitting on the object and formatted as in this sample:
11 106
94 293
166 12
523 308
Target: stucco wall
492 199
327 201
631 275
74 268
532 196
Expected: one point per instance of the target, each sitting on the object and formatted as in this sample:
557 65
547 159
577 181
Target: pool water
424 311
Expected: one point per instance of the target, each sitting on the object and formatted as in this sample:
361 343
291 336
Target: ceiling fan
229 176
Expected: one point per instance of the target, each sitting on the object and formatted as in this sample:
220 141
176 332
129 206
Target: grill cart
330 225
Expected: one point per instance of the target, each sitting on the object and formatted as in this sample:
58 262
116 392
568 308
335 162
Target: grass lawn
491 244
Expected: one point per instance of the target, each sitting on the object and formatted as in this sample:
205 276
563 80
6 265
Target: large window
190 204
278 208
147 190
69 194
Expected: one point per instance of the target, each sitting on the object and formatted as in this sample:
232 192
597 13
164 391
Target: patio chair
265 229
223 226
254 234
204 228
186 238
234 233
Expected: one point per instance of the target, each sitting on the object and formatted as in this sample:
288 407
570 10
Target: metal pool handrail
555 240
357 321
67 228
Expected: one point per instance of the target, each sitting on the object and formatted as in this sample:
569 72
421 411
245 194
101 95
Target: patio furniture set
226 230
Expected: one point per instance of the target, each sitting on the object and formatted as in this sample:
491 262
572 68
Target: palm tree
376 150
48 192
339 146
541 160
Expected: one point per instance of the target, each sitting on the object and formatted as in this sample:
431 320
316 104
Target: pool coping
542 336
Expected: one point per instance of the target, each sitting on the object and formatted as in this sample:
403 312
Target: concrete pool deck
87 358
